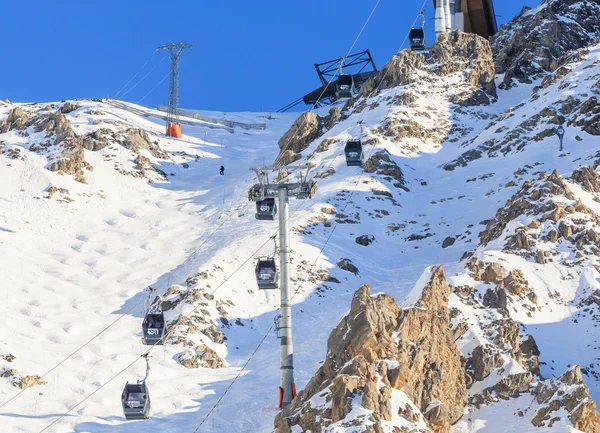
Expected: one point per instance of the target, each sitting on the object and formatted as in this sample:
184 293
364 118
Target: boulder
493 273
484 360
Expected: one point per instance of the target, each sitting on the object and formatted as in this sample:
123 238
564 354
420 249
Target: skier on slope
222 171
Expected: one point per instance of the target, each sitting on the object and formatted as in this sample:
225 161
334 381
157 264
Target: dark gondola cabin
266 274
266 209
153 328
136 401
354 153
417 39
345 86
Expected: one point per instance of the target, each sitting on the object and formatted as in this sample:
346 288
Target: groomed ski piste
75 265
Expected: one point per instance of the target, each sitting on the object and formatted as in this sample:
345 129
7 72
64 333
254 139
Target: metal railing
229 123
152 113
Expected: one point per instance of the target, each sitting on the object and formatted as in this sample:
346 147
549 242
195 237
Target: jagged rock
570 392
381 163
495 298
531 355
531 198
347 265
516 283
484 360
530 46
493 273
68 107
365 240
29 381
98 139
448 55
16 120
513 385
214 334
137 140
305 129
588 178
202 356
448 242
507 335
334 116
288 156
325 145
420 339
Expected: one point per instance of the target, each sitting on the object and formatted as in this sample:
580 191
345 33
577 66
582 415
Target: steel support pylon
175 49
286 351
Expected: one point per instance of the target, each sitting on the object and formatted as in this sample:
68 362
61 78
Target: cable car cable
347 200
136 74
246 261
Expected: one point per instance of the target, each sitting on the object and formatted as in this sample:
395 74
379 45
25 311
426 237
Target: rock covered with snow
379 356
536 40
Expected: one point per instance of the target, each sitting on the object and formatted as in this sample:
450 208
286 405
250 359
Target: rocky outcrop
570 393
538 40
493 273
381 164
201 356
458 53
137 140
305 129
409 351
16 120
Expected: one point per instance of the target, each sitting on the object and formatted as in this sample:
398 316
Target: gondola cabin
153 329
266 274
354 153
266 209
345 86
417 39
136 401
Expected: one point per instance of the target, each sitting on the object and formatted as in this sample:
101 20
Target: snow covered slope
96 205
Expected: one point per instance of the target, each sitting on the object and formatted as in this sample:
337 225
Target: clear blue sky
247 55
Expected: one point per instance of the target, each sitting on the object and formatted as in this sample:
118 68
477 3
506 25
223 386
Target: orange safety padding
293 390
174 130
280 398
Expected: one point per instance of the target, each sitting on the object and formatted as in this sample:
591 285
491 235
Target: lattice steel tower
175 49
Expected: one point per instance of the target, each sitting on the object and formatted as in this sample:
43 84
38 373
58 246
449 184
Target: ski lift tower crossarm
303 188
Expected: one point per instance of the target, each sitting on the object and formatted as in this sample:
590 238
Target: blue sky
247 56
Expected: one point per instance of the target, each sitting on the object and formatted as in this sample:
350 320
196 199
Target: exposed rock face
493 273
16 120
365 240
137 139
72 159
202 356
568 391
459 52
428 367
536 41
528 200
305 129
486 358
588 178
347 265
381 163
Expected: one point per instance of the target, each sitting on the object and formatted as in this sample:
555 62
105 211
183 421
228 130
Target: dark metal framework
175 49
360 66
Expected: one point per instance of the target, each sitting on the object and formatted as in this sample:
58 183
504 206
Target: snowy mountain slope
70 268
